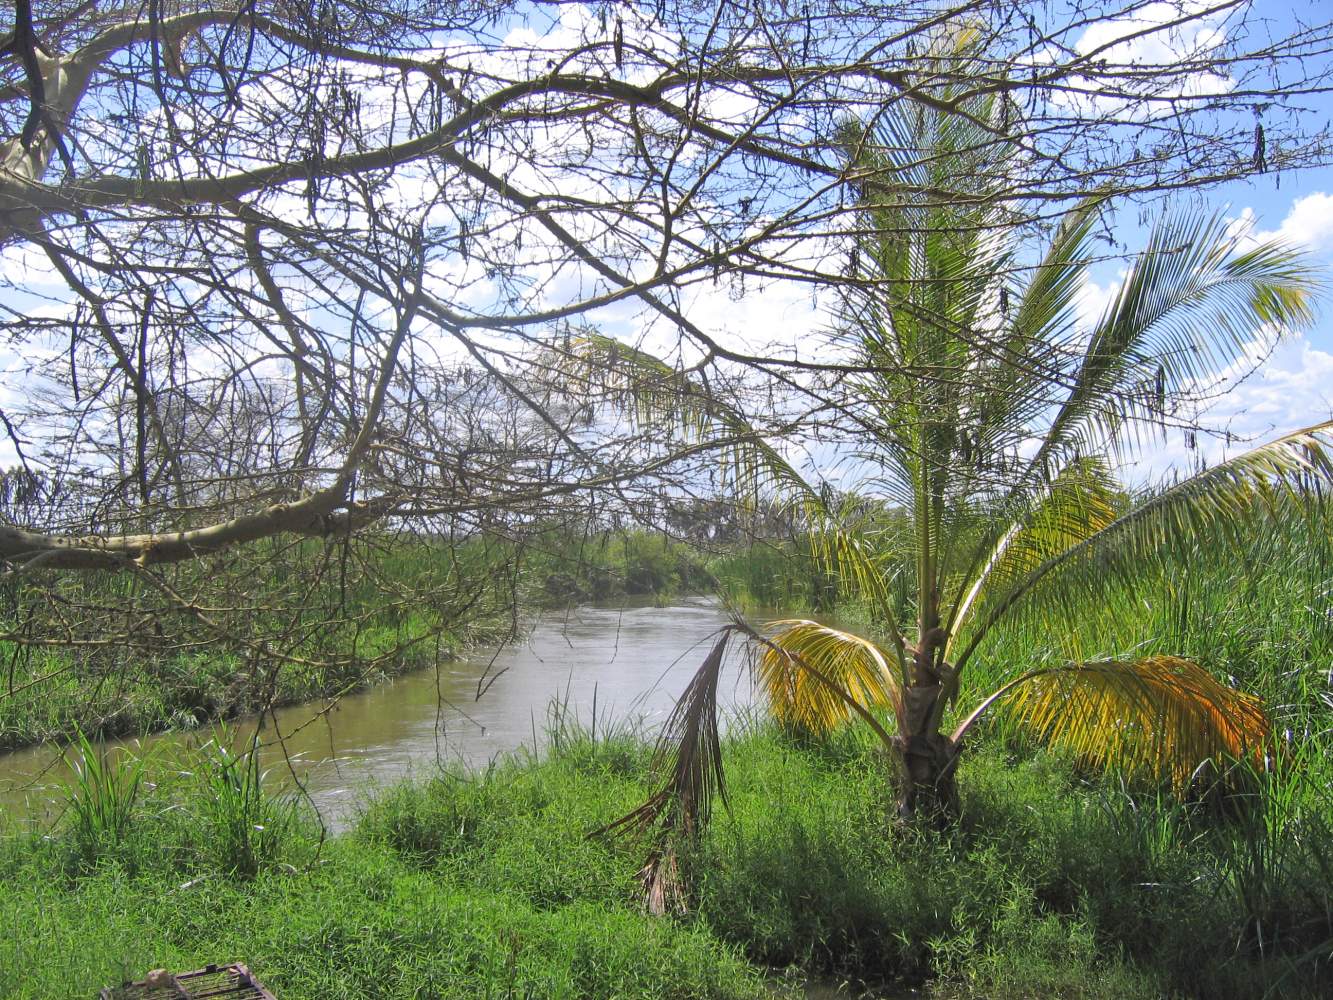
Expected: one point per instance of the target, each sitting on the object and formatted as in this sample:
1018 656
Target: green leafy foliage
486 884
245 827
989 418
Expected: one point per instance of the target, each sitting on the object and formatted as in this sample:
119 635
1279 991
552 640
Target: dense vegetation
486 886
327 620
254 430
1056 882
983 408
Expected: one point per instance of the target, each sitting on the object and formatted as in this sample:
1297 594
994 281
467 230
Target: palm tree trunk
927 760
927 787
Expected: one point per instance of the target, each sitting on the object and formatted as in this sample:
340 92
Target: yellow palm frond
1160 718
809 672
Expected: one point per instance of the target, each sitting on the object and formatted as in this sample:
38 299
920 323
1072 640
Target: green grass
1052 886
1261 615
362 923
460 889
100 795
1056 883
245 826
300 626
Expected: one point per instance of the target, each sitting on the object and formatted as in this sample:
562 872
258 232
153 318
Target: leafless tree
283 269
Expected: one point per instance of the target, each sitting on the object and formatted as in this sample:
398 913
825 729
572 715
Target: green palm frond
842 550
1222 504
1047 307
1162 718
1017 371
809 672
1081 500
1192 304
653 392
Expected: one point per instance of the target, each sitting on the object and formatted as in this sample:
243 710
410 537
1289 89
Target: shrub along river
602 666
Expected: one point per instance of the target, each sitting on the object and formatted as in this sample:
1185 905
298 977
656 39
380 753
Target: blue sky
1291 388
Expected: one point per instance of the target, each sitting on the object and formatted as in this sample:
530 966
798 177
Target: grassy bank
286 623
1053 886
1056 883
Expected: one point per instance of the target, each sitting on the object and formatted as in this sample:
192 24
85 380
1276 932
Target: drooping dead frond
641 386
1161 718
656 395
810 672
689 754
663 885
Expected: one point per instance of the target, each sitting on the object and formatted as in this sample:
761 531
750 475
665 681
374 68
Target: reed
246 828
100 794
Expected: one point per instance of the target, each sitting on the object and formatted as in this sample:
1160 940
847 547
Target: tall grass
459 888
765 575
101 795
1261 615
246 828
1055 884
1276 849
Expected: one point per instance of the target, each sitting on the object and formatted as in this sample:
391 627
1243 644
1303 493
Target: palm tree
990 417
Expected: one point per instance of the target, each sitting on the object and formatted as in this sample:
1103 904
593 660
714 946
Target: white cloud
1151 35
26 266
1092 300
1293 389
1309 223
1148 39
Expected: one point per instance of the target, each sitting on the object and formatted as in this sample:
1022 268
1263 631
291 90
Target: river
601 665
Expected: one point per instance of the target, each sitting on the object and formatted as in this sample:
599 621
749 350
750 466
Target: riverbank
1055 884
317 623
626 660
487 885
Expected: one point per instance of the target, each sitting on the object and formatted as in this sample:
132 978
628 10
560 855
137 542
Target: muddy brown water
600 665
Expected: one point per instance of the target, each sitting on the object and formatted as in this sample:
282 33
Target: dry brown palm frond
689 753
1162 717
663 885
